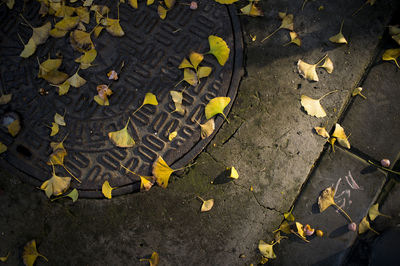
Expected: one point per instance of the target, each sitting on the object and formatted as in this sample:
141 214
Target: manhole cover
151 50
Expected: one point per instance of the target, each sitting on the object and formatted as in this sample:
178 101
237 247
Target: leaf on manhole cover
216 106
219 49
122 138
106 189
56 185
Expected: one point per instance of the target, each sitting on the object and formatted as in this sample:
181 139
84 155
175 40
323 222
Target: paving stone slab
374 122
336 170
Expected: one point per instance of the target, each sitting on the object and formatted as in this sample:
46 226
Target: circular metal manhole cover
151 50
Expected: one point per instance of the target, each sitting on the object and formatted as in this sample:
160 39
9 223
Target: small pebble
193 5
385 162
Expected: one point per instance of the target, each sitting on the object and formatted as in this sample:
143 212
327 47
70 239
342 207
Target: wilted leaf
219 49
56 185
177 98
76 80
307 71
207 204
59 119
30 253
162 172
341 136
391 54
373 212
67 23
57 156
172 135
207 128
5 258
266 250
29 49
195 59
14 127
216 106
339 38
106 189
113 75
83 14
40 34
154 259
145 183
113 27
328 65
233 173
81 40
54 129
162 11
103 93
62 10
87 58
5 98
97 30
226 2
322 132
251 10
364 226
122 138
3 148
289 215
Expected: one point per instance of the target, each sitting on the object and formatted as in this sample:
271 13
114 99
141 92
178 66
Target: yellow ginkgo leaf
185 63
169 3
81 41
364 226
207 204
207 128
59 119
313 106
30 253
251 10
73 195
300 230
266 250
10 3
49 65
284 227
40 34
5 98
76 80
55 77
219 49
3 148
122 138
54 129
63 88
114 28
162 11
328 65
101 101
217 106
154 259
203 72
62 10
357 91
150 98
374 212
150 2
14 127
57 156
190 77
56 185
391 54
289 215
83 14
145 183
233 173
195 59
87 58
322 132
172 135
287 22
177 98
294 38
57 33
112 75
162 172
97 30
133 3
308 71
326 199
67 23
226 2
29 49
106 189
5 258
339 38
341 136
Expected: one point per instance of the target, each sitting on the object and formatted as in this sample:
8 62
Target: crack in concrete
233 134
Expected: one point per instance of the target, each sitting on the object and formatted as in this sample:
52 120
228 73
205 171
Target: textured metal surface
152 49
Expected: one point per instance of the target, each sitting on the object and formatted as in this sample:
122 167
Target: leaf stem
19 36
225 118
323 96
43 257
27 22
187 166
59 197
345 213
341 26
298 235
178 83
304 3
270 34
383 168
373 230
361 7
137 109
128 169
71 173
362 95
397 64
322 59
200 198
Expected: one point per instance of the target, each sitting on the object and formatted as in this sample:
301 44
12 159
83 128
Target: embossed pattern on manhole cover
151 50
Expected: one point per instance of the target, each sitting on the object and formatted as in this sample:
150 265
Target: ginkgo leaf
289 215
177 98
145 183
185 63
294 38
374 212
5 98
284 227
300 230
112 75
154 259
207 128
233 173
150 98
101 101
114 28
122 138
49 65
76 80
322 132
83 14
328 65
203 72
29 49
216 106
57 157
396 38
63 10
54 129
106 189
162 11
5 258
14 127
67 23
40 34
226 2
59 119
195 59
287 22
149 2
63 88
251 10
207 204
103 93
169 3
339 38
57 33
357 91
364 226
308 71
266 250
172 135
56 185
97 30
87 2
73 195
10 3
81 40
3 148
55 77
326 199
87 58
313 106
190 77
341 136
133 3
219 49
391 54
30 253
162 172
